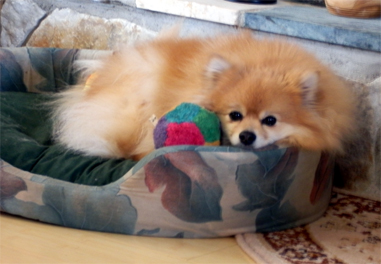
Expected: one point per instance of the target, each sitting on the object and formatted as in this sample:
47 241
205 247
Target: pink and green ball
188 124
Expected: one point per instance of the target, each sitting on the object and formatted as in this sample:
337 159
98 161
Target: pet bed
182 191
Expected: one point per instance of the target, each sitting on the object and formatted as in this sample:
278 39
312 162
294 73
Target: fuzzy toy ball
187 124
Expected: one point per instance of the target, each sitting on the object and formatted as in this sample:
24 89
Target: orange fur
228 73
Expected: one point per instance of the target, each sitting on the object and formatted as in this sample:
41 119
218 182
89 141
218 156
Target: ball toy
187 124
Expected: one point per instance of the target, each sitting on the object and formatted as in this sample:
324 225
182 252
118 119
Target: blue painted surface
316 23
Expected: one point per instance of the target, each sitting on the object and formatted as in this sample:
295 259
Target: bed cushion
26 136
182 191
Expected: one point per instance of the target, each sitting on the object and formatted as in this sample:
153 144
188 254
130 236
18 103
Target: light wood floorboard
27 241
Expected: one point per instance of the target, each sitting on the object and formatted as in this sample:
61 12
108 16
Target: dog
265 92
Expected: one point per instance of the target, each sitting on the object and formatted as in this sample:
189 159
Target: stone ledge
285 18
90 31
317 24
18 20
219 11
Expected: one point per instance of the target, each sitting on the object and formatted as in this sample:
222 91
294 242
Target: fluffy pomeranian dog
264 92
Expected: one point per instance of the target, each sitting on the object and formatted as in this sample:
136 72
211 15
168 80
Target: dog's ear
216 66
309 84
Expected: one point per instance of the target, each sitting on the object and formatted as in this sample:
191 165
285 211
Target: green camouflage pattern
181 191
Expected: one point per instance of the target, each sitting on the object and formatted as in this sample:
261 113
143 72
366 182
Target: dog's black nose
247 137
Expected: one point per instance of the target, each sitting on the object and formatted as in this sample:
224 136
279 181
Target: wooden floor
27 241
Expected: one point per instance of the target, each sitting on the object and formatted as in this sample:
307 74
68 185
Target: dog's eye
235 116
269 121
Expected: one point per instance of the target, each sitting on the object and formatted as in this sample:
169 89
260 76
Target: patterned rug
348 233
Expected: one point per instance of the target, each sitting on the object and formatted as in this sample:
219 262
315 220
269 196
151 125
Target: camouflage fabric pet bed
183 191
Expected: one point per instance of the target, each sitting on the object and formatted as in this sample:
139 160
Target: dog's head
263 105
